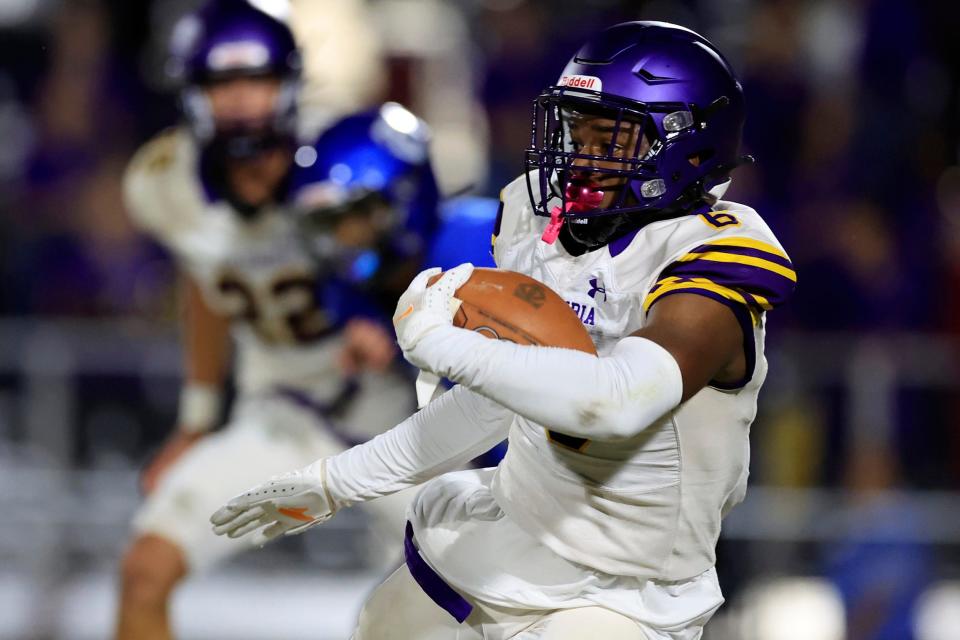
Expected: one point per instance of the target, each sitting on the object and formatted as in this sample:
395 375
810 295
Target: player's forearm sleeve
610 397
444 435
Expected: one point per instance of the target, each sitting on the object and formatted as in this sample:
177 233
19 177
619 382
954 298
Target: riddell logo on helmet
582 82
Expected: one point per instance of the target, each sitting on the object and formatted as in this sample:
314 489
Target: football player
353 193
313 370
603 518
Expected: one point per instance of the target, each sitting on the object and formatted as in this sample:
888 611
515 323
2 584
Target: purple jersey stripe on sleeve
745 321
744 251
746 278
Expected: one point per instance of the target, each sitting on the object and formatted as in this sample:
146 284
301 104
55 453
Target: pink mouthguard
581 196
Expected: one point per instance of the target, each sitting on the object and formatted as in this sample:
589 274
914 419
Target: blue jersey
466 225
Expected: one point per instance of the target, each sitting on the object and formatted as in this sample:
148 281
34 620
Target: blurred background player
313 364
363 206
354 193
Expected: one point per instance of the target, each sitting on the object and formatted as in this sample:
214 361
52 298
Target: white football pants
399 610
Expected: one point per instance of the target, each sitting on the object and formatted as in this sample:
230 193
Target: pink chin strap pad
580 198
552 231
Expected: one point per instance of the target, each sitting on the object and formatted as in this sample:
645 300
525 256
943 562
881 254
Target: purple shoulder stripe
756 281
744 251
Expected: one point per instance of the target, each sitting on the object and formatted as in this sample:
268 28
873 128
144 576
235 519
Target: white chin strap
720 189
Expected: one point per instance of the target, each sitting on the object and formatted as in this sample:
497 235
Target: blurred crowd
853 121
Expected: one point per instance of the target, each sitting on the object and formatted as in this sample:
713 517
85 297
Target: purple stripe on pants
431 582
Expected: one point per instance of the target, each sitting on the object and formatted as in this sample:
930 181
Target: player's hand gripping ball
427 305
499 304
286 504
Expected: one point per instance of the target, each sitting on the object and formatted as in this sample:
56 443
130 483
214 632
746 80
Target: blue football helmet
678 97
227 39
365 194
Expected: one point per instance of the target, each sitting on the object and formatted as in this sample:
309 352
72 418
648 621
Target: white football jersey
649 506
255 271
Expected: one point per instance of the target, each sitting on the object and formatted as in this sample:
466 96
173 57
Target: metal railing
63 510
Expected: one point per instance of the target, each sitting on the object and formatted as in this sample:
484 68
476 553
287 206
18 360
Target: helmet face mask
670 112
361 222
240 117
348 236
604 148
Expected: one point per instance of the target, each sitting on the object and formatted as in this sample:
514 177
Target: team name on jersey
584 311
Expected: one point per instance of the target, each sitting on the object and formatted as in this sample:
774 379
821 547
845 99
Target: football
506 305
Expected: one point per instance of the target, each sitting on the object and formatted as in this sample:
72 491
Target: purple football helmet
227 39
651 78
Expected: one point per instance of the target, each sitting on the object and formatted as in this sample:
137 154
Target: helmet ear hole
698 158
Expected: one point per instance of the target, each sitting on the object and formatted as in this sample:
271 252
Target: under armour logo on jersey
597 287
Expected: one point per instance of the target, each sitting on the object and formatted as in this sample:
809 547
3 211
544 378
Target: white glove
422 308
286 504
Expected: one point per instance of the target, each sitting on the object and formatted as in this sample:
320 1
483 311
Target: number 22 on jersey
282 310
